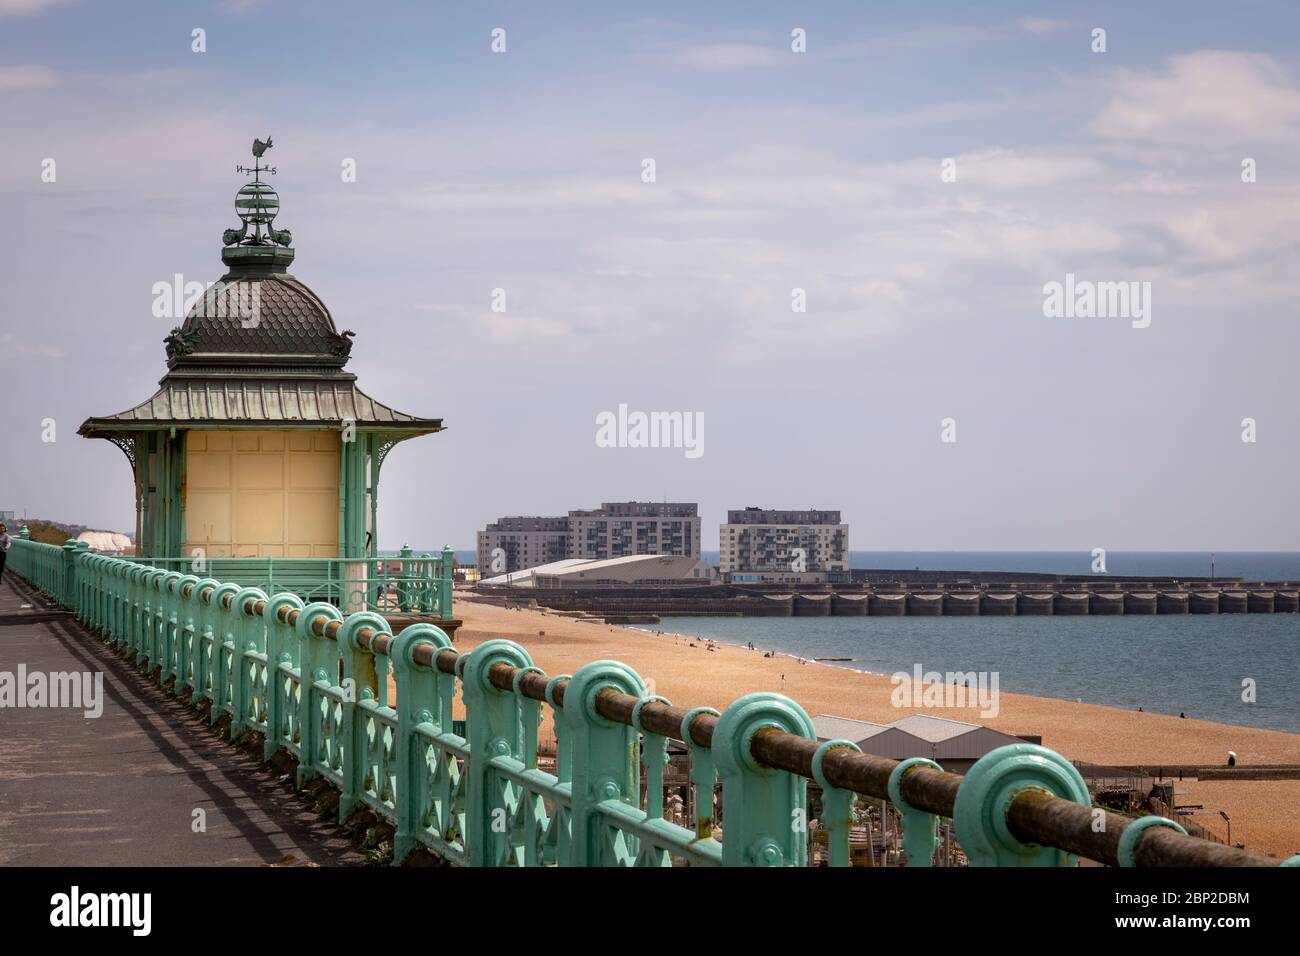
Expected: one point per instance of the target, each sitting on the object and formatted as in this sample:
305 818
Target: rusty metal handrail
1034 816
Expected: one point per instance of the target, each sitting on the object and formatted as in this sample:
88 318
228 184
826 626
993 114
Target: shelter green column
354 453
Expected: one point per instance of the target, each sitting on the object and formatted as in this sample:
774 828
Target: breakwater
928 599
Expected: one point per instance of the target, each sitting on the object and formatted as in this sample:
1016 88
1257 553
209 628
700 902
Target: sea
1199 665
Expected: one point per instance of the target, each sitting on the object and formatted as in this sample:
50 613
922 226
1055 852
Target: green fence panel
314 683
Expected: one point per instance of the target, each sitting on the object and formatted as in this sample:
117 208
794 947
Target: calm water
1163 663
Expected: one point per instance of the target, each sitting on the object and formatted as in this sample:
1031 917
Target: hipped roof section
254 402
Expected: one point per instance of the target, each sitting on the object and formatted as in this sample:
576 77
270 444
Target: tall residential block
762 539
514 543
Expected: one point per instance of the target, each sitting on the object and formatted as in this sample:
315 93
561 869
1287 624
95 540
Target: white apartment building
767 540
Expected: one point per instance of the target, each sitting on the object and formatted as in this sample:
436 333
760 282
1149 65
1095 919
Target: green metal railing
315 683
406 583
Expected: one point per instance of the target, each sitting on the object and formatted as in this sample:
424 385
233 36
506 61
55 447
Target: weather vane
257 204
259 148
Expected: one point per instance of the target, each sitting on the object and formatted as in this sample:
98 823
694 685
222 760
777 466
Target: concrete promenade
123 788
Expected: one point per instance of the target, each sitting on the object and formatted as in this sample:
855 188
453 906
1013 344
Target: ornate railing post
250 629
319 661
404 587
360 682
109 573
606 759
106 582
207 618
703 774
88 598
494 730
153 618
225 625
980 810
445 581
920 829
428 585
101 587
560 849
171 586
764 811
419 705
1129 838
281 648
139 575
837 806
67 592
97 590
115 571
188 611
525 832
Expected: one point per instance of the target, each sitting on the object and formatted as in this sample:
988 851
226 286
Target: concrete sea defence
1070 602
1172 602
1232 602
1140 602
928 598
997 604
812 605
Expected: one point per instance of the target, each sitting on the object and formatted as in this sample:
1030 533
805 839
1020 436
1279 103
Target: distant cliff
56 532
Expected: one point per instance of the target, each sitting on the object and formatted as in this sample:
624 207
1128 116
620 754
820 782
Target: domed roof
259 317
258 350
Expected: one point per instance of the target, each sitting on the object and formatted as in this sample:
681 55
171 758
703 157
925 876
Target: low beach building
614 530
954 744
641 569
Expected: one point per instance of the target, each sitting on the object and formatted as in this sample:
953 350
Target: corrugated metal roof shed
933 729
917 735
844 728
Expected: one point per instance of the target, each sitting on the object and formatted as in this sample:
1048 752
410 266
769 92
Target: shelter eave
259 403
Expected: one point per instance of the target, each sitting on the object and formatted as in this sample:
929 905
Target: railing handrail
1034 816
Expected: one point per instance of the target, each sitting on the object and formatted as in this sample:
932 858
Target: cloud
1211 97
1011 169
31 76
1043 25
19 8
16 346
727 56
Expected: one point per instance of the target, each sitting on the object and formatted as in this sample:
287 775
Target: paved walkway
121 789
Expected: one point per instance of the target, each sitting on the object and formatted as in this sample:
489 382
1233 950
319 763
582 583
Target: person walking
5 542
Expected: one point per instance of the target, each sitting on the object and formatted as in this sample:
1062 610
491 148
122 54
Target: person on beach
5 542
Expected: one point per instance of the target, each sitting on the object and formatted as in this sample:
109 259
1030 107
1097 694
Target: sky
921 171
